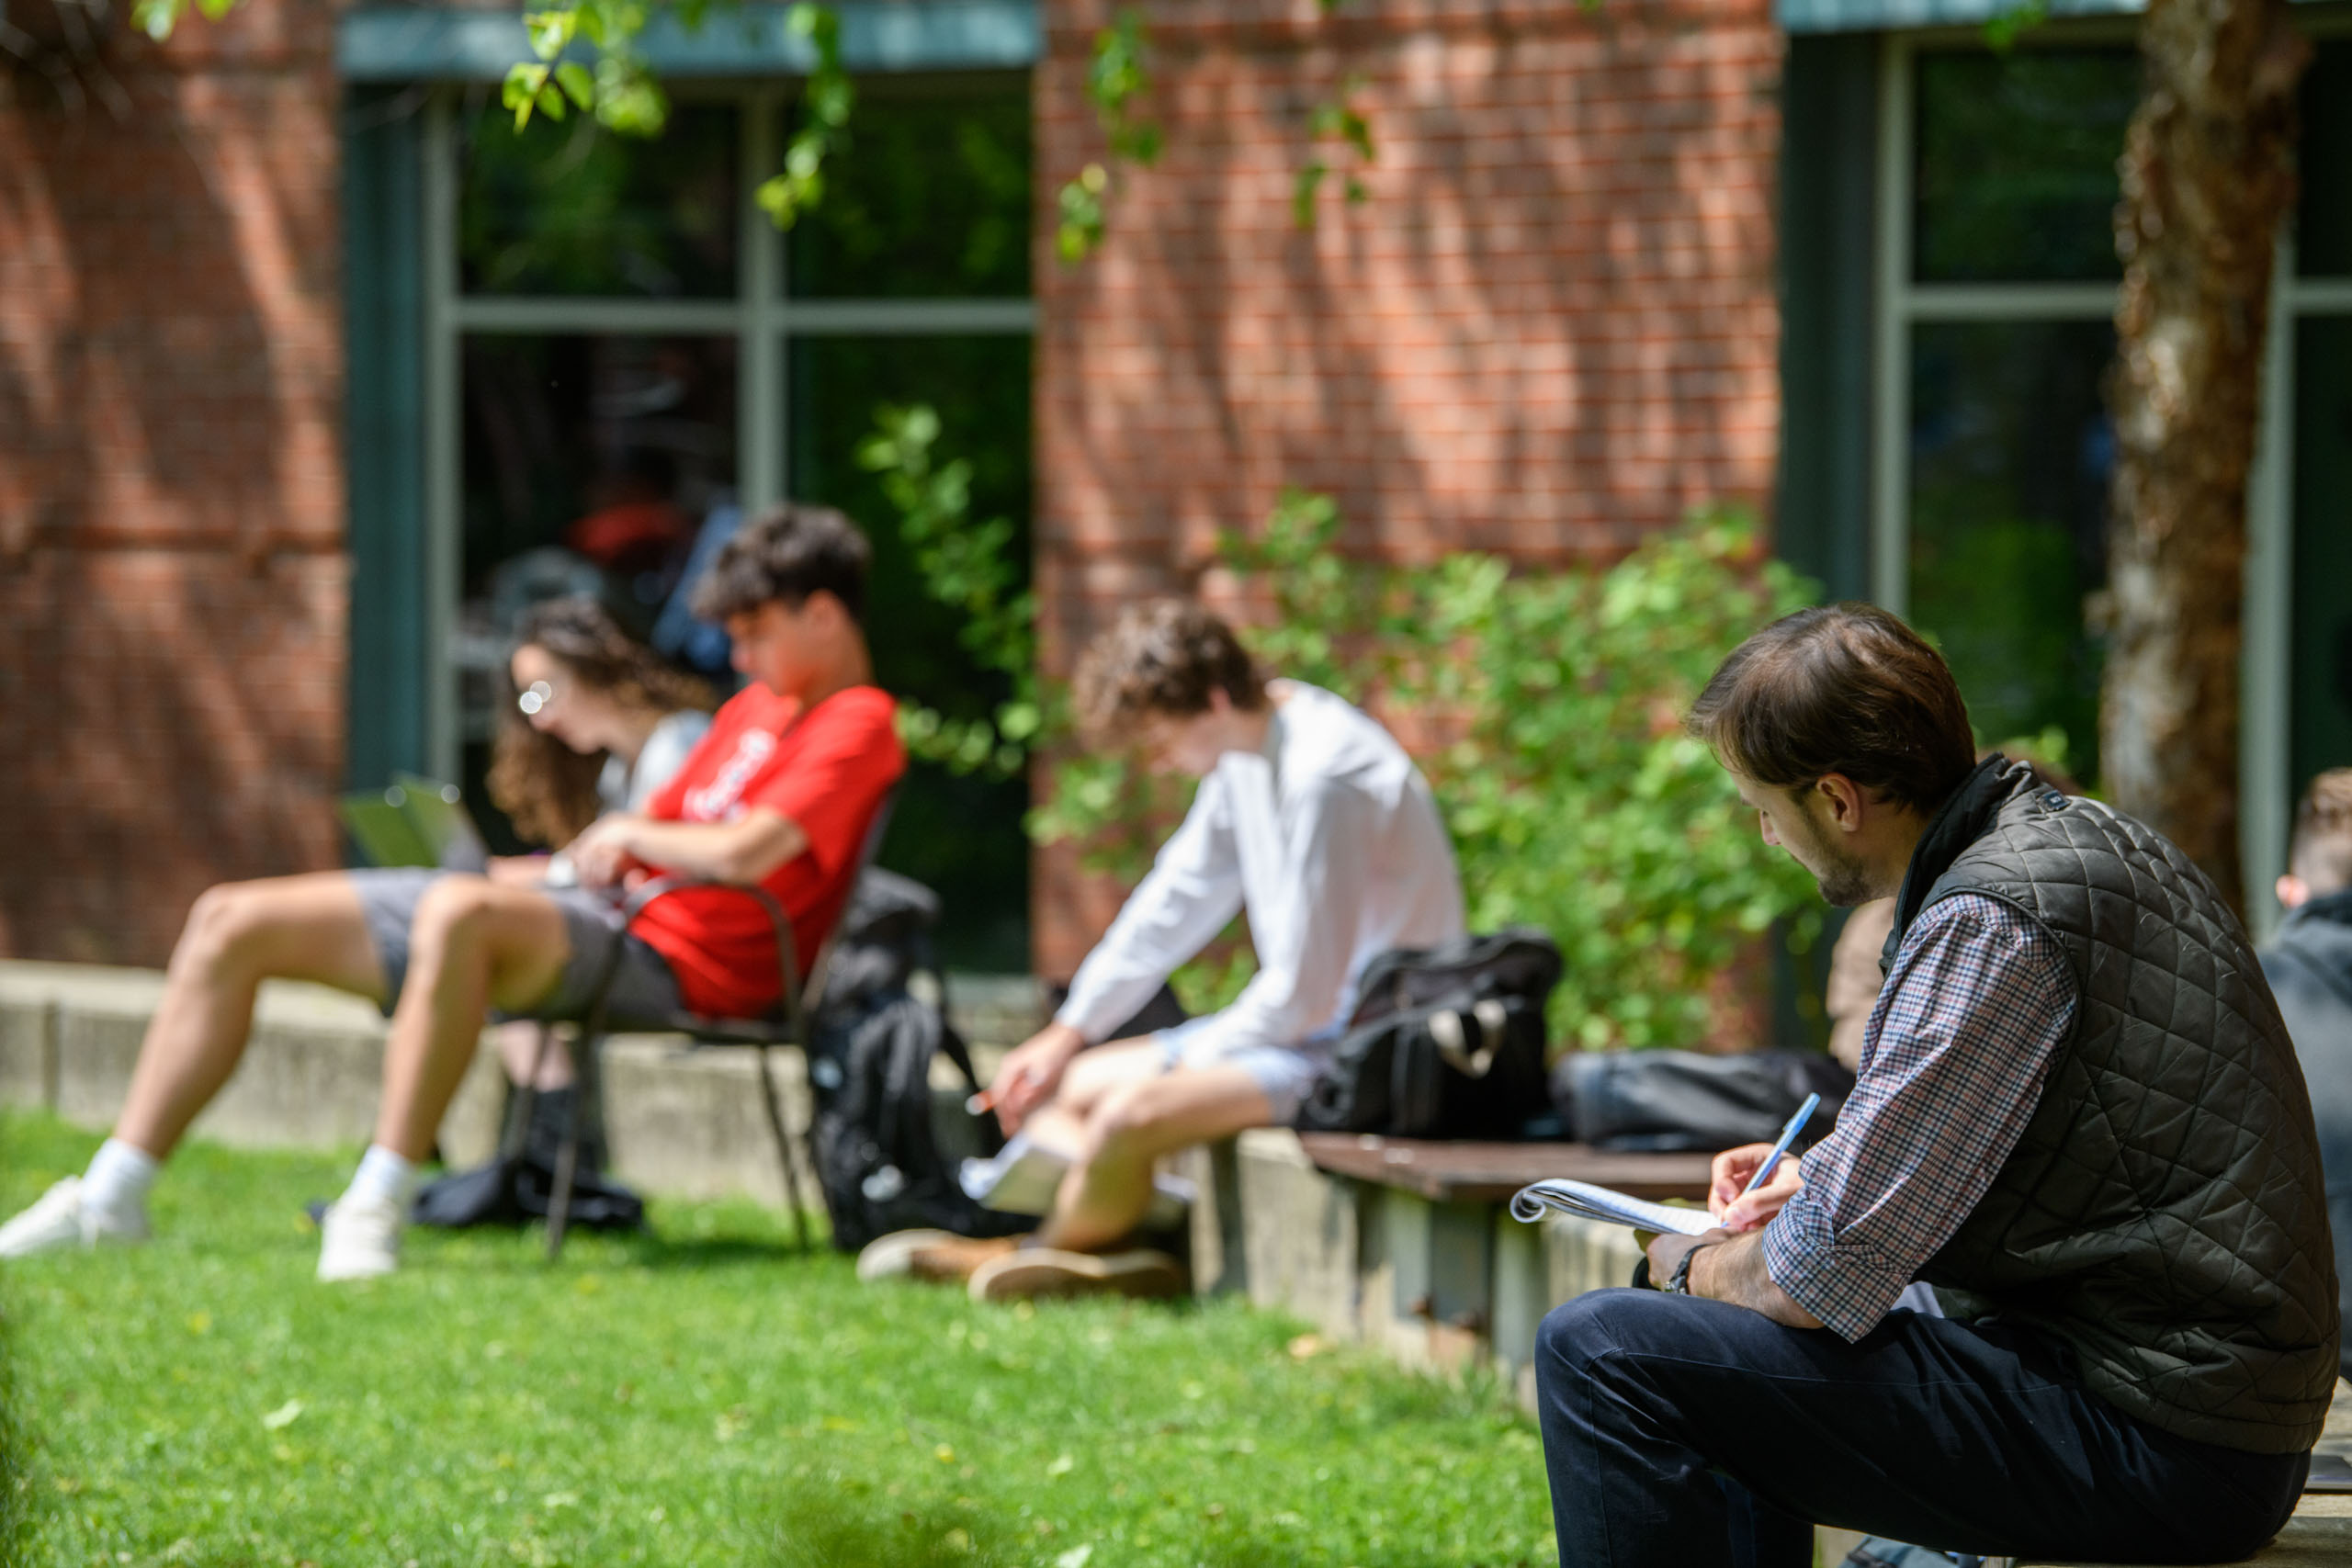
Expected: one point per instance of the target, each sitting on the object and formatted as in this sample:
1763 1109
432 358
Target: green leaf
1081 226
520 92
550 31
578 84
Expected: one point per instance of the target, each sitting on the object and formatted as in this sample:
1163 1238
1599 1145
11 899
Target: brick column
172 567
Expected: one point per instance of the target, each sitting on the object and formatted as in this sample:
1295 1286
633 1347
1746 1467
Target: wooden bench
1408 1244
1491 1173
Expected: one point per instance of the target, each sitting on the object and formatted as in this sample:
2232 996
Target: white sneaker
360 1238
61 1219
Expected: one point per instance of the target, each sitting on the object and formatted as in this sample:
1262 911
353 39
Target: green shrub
1576 801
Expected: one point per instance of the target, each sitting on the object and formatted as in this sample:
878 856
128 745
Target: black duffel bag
1687 1101
1444 1043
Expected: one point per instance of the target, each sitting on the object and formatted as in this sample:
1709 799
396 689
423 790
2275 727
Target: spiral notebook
1586 1201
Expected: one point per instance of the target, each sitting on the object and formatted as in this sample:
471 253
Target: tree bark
2208 178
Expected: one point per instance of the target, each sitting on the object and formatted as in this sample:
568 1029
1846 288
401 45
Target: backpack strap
952 1045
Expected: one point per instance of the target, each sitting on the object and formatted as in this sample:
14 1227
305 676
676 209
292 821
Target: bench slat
1489 1173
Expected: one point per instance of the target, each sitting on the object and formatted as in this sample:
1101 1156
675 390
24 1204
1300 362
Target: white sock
116 1182
383 1175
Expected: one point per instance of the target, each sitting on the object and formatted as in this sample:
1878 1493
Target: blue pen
1788 1135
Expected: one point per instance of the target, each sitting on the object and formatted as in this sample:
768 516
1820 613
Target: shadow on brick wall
170 577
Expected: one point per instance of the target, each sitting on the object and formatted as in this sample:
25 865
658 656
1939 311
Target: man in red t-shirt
782 794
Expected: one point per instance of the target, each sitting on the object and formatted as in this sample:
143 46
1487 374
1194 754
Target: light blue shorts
1286 1072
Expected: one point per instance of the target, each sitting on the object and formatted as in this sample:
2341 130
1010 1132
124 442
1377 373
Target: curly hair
786 553
547 789
1161 656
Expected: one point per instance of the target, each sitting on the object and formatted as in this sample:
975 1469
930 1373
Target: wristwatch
1679 1282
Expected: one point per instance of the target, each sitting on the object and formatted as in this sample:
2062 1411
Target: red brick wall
172 580
1550 331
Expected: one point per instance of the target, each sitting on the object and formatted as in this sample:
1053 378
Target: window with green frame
1995 296
633 351
2320 303
2009 449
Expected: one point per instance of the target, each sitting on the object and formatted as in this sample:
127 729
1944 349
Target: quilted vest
2163 1214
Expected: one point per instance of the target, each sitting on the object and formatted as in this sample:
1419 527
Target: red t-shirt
826 770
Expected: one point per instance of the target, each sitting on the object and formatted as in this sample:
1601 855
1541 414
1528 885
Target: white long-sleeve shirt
1331 843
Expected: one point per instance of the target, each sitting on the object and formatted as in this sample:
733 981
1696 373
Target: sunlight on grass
701 1394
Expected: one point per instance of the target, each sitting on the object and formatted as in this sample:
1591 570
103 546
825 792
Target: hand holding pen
1750 1184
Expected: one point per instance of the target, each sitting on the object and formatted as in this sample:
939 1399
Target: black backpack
1686 1100
887 1147
1444 1043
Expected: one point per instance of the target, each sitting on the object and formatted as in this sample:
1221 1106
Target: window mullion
1891 404
443 411
763 480
2264 675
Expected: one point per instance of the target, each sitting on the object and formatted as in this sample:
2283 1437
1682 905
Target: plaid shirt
1962 1035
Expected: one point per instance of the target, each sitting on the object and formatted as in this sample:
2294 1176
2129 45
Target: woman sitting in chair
596 723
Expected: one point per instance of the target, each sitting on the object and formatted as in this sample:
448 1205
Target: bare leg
1060 1122
474 944
238 934
1129 1127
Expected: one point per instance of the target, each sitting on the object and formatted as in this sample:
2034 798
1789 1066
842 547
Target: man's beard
1845 883
1844 880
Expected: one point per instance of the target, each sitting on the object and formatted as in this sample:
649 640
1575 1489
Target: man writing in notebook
779 794
2077 1116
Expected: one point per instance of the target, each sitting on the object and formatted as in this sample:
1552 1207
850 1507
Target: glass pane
587 463
2323 228
2322 618
2015 177
960 836
931 198
568 209
2010 453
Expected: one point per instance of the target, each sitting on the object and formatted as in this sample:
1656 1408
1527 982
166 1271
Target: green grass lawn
700 1396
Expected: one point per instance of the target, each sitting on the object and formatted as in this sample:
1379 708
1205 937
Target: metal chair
786 1025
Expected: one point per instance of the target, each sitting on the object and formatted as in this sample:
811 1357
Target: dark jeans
1684 1432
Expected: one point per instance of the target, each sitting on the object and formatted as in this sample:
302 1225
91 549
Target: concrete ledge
688 1123
1301 1240
1220 1257
310 1077
692 1123
1539 1267
1435 1283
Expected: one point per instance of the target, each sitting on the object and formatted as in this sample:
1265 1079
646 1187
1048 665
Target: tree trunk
2207 180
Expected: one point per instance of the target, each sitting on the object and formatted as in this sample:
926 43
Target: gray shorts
643 989
1286 1072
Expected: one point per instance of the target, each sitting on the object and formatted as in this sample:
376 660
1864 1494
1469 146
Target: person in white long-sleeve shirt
1312 820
